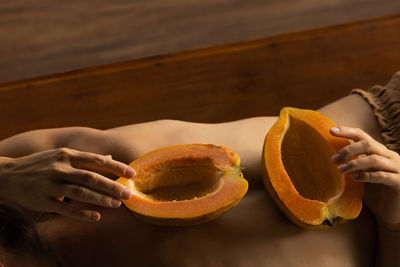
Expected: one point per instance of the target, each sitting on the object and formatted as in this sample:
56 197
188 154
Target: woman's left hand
376 166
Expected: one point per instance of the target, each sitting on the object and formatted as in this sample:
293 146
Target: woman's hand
40 181
376 166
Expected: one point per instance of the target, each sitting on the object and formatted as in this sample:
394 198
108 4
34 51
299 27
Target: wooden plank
305 69
40 37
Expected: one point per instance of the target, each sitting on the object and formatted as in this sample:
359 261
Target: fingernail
343 167
126 193
130 172
95 216
115 203
335 129
336 158
109 156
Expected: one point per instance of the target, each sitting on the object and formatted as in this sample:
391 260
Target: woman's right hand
40 181
370 162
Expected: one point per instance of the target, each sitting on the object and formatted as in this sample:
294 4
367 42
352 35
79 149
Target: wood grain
305 69
39 37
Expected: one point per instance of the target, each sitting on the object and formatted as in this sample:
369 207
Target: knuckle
393 154
100 160
374 159
361 135
369 175
63 153
363 175
365 145
55 168
119 169
359 131
355 131
106 201
381 146
381 175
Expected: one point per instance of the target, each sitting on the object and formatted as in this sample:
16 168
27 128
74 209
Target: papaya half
185 184
300 176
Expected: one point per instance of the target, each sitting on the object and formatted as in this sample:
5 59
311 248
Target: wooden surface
306 69
40 37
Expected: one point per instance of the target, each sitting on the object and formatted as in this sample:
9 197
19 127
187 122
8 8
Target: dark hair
18 234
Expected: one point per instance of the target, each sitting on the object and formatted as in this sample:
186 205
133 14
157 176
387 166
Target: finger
96 162
97 182
371 162
379 177
85 195
67 210
359 148
350 151
365 144
354 134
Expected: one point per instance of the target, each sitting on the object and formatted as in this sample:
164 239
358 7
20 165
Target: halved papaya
300 175
185 184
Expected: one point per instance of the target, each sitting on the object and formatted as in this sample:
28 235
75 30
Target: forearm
45 139
388 251
28 142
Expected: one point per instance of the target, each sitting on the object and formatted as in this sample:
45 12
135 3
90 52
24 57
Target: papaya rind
233 171
322 124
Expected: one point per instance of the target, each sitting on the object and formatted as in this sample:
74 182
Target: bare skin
55 174
254 233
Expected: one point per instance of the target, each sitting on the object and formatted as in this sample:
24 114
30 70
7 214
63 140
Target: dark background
39 37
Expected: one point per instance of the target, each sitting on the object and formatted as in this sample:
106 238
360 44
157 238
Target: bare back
254 233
